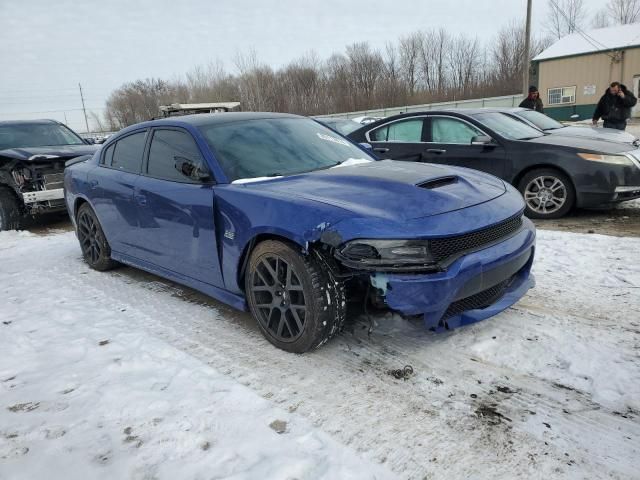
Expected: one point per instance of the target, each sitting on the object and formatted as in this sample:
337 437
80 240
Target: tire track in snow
406 424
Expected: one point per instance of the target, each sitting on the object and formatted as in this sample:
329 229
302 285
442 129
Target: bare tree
601 19
365 66
624 11
565 17
434 49
463 63
409 48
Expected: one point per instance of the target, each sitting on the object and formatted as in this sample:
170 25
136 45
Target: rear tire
295 299
11 214
548 193
93 243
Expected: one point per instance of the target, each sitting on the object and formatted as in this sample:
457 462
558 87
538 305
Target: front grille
443 248
479 300
53 181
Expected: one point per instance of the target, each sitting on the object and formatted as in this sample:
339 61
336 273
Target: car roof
42 121
199 119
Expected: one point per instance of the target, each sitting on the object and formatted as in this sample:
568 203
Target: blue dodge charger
284 217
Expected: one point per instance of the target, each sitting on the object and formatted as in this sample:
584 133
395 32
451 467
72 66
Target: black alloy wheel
94 245
294 297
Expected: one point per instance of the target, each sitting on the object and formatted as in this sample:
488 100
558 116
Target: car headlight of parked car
612 159
387 254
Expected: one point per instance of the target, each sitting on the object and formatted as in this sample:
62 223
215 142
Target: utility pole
86 122
527 47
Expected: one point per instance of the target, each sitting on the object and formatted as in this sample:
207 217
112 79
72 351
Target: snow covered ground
123 375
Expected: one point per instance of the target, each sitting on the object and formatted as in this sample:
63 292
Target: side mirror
575 116
482 140
191 169
90 140
366 146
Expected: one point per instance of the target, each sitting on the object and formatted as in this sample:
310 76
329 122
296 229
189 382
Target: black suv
32 159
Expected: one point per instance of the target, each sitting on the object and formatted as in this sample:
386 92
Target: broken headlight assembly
389 255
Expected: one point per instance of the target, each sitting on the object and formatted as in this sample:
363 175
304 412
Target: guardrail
503 101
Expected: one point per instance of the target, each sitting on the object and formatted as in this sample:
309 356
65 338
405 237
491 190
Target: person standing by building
614 107
533 100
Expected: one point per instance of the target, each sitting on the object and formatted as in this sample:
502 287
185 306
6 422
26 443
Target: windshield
345 127
508 127
540 120
36 135
277 147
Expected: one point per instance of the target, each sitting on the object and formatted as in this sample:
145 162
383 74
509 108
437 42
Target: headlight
391 254
613 159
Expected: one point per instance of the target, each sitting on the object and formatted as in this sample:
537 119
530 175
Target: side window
128 153
108 155
175 156
450 130
407 131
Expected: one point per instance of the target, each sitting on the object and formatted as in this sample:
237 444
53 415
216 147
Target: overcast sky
48 46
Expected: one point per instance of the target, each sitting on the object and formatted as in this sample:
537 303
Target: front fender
242 216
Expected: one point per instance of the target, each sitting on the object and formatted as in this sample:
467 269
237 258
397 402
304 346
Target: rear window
406 131
127 155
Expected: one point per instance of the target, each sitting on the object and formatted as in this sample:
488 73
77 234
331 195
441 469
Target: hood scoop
438 182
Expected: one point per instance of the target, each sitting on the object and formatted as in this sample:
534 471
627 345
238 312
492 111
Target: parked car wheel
93 243
11 217
294 298
548 193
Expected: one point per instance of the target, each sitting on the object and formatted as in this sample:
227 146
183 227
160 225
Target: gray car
549 125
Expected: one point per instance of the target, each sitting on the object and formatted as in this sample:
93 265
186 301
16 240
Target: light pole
527 47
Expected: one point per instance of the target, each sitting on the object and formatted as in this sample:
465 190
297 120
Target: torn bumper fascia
430 295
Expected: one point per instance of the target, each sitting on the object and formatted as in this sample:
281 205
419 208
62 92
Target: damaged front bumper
43 195
473 288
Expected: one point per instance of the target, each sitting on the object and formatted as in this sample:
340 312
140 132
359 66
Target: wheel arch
541 166
253 242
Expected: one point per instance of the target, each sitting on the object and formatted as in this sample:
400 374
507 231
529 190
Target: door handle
141 199
438 151
381 150
93 184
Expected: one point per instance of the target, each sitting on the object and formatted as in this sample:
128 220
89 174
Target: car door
175 201
450 142
399 140
111 187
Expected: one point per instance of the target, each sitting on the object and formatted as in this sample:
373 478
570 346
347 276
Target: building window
562 95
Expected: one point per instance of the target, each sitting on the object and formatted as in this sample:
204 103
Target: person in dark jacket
615 107
533 100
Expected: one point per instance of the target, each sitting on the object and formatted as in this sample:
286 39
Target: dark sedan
554 173
553 127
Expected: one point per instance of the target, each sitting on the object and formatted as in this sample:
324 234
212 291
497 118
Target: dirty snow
120 374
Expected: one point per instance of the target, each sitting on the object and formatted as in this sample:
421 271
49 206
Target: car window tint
172 156
128 153
450 130
108 155
409 131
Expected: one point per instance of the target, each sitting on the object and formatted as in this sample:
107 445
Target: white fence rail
504 101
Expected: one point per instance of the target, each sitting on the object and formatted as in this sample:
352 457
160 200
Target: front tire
295 299
11 215
548 193
93 243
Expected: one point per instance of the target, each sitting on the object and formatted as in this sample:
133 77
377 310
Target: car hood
389 189
582 143
608 134
64 152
